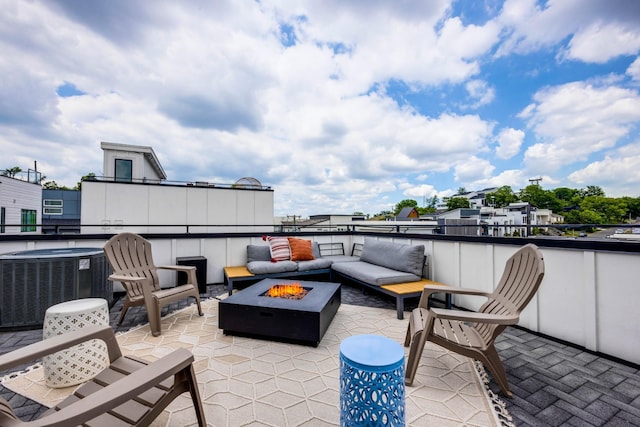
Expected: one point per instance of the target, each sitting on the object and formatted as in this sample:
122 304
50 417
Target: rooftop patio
554 382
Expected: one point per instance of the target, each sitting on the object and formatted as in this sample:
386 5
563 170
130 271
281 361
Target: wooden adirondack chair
473 333
132 263
130 391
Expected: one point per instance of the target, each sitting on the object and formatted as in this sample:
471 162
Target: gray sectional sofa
379 263
391 268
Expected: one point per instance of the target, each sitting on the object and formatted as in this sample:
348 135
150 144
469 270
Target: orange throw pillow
300 249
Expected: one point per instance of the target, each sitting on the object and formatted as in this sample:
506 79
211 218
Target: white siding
108 206
16 195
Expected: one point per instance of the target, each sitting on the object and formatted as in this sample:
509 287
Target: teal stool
371 381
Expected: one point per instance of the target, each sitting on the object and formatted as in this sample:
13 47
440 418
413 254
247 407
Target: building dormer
131 163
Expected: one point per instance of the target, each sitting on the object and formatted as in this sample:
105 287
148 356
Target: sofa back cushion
396 256
258 253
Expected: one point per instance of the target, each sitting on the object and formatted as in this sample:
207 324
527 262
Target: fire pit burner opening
287 291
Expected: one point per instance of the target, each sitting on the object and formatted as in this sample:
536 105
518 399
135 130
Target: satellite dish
247 182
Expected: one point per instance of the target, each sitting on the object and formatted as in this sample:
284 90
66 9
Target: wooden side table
84 361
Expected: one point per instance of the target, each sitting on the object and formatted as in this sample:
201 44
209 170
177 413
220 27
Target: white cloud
598 31
514 178
509 143
601 42
634 70
574 120
212 88
419 191
618 173
480 92
473 169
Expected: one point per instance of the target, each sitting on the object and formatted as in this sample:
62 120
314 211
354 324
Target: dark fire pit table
251 313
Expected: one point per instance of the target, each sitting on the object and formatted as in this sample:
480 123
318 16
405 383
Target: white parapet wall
588 297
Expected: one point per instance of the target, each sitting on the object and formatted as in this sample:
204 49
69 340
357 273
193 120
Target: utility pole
294 220
536 181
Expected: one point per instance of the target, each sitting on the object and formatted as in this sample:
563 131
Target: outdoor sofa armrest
471 316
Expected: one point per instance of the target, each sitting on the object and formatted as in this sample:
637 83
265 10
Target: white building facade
132 194
20 206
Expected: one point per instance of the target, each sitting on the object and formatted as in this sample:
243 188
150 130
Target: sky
340 106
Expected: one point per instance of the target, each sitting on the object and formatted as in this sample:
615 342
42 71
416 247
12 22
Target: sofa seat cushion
373 274
341 258
314 264
268 267
396 256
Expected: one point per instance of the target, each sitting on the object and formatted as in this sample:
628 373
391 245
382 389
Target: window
3 214
52 207
124 170
28 220
52 211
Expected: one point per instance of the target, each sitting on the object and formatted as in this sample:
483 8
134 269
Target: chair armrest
125 278
185 268
472 316
61 342
434 289
190 270
119 392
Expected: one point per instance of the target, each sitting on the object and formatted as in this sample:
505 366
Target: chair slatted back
520 280
130 254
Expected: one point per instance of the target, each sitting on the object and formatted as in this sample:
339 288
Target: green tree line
587 205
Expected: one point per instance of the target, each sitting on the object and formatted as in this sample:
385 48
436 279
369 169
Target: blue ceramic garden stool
371 381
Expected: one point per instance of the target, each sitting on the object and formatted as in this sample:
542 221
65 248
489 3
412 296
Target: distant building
407 214
322 222
20 204
460 222
134 193
514 219
477 199
61 211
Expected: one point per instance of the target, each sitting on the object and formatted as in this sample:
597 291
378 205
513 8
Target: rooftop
553 383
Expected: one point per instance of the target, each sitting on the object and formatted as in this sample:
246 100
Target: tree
406 203
536 196
567 194
11 172
461 190
52 185
431 202
457 202
88 177
502 197
592 190
633 207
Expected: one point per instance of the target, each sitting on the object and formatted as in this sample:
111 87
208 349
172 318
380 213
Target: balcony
575 349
